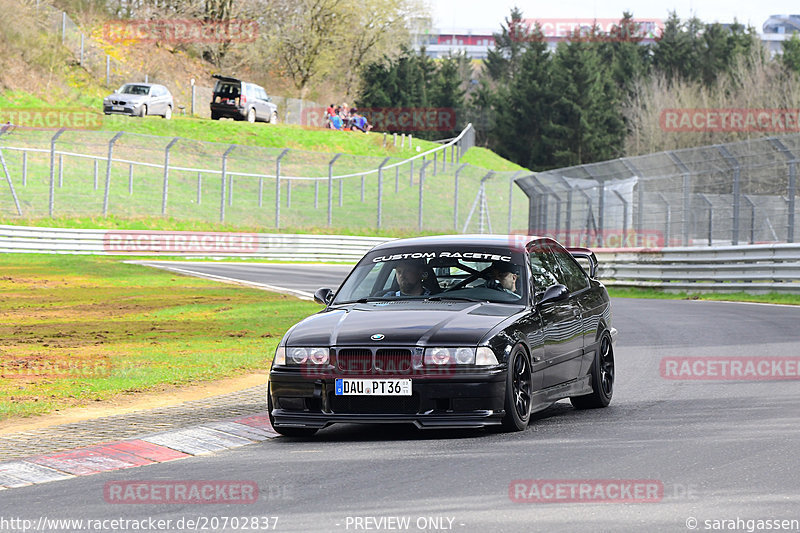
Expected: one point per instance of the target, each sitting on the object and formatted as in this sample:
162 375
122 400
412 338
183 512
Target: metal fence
735 193
72 173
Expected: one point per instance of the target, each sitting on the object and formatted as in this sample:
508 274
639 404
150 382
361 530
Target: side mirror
553 294
323 296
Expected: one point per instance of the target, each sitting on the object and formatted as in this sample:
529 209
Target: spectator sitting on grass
336 121
360 122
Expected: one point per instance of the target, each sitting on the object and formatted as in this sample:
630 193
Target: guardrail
275 246
753 268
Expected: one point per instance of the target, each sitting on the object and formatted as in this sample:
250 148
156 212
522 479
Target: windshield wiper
461 298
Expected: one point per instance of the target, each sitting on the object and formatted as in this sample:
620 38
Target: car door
561 320
590 303
159 100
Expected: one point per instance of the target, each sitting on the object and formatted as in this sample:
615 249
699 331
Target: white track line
303 295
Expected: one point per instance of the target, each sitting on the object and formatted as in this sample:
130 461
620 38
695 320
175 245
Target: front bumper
126 109
459 401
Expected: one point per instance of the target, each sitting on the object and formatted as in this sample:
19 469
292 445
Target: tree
502 61
790 59
522 110
586 124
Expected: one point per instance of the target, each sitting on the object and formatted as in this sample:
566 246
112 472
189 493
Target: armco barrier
277 246
755 268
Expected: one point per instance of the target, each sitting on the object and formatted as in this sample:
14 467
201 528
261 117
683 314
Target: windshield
459 273
135 89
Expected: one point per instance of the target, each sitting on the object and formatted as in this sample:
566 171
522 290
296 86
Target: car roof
466 239
141 83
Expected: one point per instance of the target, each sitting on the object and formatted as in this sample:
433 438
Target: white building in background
779 28
476 42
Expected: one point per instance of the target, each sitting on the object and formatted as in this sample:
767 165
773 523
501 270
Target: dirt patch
127 403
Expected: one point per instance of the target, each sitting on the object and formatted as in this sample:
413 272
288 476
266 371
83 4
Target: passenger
411 275
503 276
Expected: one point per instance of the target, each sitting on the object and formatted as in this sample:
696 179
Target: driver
410 277
503 276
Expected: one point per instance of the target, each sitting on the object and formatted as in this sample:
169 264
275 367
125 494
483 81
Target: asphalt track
720 450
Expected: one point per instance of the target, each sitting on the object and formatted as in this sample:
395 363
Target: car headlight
440 356
300 356
280 355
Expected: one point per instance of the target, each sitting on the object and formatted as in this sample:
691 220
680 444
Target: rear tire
518 391
168 113
602 373
286 432
251 115
214 116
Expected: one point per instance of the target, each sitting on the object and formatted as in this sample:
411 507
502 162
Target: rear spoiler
587 254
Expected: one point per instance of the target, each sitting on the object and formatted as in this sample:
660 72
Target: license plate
117 108
373 387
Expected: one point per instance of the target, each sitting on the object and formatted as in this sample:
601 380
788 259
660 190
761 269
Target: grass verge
79 329
769 298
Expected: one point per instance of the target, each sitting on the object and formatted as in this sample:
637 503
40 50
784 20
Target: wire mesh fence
92 173
733 193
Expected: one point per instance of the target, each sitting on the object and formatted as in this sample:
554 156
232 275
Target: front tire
143 110
518 391
273 118
602 373
286 432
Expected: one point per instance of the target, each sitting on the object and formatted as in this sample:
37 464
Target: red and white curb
150 449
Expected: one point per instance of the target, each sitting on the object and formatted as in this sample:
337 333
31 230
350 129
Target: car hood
129 98
421 323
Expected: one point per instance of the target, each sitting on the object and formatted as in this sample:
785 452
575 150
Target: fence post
397 179
687 200
455 198
316 194
444 158
330 188
95 173
736 191
60 170
277 188
411 172
53 170
667 219
792 185
10 183
624 219
362 188
25 168
421 187
710 215
380 191
130 179
199 188
511 196
108 170
223 182
166 176
435 157
63 26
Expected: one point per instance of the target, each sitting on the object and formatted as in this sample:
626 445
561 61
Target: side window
544 269
262 93
573 275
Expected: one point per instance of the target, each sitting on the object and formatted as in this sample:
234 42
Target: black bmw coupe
458 331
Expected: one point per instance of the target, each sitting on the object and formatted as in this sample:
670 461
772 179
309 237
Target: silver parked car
140 99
